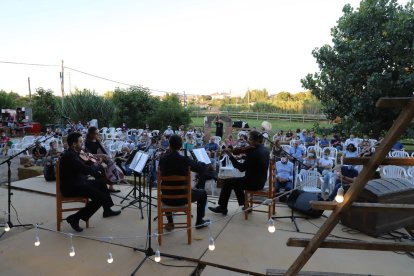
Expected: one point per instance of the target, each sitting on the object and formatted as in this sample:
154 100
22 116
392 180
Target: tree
85 105
169 112
10 100
133 106
371 57
45 107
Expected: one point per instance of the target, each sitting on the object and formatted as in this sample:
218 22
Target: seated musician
172 163
120 159
74 182
94 146
284 175
255 166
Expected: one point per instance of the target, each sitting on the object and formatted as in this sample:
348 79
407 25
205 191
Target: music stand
138 162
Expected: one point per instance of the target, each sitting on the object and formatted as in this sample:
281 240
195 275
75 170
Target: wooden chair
268 192
164 208
60 200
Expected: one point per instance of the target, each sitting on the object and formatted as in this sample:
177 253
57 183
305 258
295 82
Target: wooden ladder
370 166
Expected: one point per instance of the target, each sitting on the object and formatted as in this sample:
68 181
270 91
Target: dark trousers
197 195
97 191
238 184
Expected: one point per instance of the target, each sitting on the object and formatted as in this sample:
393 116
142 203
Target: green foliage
45 107
256 95
169 112
371 57
263 107
133 106
85 105
11 100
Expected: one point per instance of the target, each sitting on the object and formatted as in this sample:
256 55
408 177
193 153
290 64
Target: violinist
94 146
74 182
255 167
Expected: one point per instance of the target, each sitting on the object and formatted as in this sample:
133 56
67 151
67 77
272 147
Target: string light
271 226
110 259
37 240
340 195
211 245
157 256
72 248
6 227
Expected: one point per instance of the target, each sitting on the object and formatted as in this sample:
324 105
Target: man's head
255 138
75 141
175 142
212 140
284 160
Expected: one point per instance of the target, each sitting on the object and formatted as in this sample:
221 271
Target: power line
31 64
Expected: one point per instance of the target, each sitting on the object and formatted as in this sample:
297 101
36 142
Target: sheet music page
201 155
135 161
141 163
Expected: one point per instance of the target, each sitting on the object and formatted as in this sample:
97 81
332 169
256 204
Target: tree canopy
371 57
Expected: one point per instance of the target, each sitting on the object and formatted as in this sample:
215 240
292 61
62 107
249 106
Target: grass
276 124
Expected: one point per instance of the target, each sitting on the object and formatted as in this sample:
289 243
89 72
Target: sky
191 46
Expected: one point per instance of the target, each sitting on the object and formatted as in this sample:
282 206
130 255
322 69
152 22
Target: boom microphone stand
292 217
9 193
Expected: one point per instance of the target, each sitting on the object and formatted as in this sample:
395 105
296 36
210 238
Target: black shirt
172 163
219 129
255 165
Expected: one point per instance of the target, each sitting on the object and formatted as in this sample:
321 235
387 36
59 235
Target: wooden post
30 90
62 84
398 128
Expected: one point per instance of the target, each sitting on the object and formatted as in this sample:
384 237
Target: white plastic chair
316 149
217 139
399 153
391 171
412 154
410 173
309 181
228 169
333 155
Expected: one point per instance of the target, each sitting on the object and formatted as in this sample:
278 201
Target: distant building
220 96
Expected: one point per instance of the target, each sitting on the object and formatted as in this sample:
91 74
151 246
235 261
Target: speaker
300 201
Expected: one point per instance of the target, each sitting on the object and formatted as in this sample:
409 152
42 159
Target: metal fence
265 116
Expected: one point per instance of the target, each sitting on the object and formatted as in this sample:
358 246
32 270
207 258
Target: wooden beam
396 161
398 128
365 206
356 245
397 102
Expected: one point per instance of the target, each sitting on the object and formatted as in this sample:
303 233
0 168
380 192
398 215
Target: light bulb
340 195
271 226
157 256
72 251
37 241
211 245
110 259
7 227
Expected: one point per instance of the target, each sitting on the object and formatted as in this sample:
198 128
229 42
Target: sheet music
139 161
201 155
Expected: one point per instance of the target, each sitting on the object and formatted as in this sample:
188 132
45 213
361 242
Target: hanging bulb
157 256
7 227
340 195
72 251
110 259
211 245
37 241
271 226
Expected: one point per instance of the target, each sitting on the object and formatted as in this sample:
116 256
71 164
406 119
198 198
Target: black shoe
203 223
111 213
74 223
218 209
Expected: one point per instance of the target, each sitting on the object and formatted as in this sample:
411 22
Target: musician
172 163
255 165
74 182
93 145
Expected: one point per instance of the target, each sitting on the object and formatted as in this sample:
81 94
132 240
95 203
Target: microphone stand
292 217
9 193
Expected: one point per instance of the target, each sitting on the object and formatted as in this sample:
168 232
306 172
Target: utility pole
62 84
30 91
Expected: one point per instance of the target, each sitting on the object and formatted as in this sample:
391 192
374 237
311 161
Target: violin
88 157
238 151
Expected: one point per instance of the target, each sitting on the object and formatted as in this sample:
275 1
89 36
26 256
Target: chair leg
246 204
58 216
160 225
189 227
